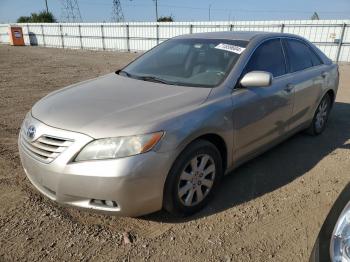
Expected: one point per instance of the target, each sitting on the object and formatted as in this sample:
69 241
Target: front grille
46 148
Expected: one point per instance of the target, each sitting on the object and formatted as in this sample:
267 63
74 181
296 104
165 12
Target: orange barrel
16 35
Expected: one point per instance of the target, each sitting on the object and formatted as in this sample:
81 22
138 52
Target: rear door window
315 59
268 57
300 56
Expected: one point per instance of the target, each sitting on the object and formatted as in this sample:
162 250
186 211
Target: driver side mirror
256 79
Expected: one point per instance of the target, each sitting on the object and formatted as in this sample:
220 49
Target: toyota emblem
31 132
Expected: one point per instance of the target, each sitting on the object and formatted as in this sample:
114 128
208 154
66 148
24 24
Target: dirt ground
270 209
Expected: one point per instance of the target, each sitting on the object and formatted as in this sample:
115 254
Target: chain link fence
331 36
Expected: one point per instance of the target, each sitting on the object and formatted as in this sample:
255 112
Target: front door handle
289 88
324 74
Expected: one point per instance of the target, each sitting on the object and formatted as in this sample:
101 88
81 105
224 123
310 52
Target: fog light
104 203
97 202
110 203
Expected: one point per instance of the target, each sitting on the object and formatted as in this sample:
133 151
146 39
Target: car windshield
187 62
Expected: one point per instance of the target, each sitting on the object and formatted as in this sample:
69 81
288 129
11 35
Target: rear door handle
289 88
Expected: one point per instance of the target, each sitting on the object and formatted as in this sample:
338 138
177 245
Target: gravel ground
269 209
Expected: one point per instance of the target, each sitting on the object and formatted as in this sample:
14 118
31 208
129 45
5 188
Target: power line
250 11
224 10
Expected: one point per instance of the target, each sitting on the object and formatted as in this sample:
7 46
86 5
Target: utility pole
156 1
47 8
209 12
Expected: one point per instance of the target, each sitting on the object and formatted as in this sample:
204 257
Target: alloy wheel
321 115
196 180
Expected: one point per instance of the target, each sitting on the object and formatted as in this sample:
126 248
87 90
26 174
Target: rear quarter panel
330 83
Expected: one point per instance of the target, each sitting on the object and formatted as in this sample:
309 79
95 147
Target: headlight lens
340 241
108 148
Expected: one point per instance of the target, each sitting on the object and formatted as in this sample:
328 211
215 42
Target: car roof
235 35
252 36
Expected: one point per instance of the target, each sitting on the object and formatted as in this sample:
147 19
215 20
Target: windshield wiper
155 79
118 72
144 78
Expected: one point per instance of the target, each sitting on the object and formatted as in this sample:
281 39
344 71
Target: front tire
193 179
318 124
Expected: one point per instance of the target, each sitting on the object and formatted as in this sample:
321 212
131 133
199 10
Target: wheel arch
331 94
212 138
219 143
217 140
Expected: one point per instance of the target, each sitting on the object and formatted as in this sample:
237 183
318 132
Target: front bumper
135 183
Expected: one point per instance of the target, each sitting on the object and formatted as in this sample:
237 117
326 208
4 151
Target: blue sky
187 10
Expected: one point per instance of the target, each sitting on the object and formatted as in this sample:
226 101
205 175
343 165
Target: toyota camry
161 132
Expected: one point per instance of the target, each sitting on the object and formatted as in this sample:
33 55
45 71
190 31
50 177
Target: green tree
24 19
42 17
169 18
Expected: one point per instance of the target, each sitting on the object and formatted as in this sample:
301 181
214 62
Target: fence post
157 32
62 40
191 28
28 34
43 35
340 42
282 28
80 37
103 38
127 38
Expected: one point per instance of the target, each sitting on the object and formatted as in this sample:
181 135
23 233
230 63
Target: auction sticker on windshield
230 48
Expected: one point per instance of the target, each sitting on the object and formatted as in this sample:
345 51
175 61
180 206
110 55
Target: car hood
111 105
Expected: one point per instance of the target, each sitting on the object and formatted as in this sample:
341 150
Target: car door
261 114
308 79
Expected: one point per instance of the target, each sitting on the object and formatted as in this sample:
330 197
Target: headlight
118 147
340 240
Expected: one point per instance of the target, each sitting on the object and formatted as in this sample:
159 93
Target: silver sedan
162 132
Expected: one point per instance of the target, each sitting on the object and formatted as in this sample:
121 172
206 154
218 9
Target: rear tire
318 124
193 179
